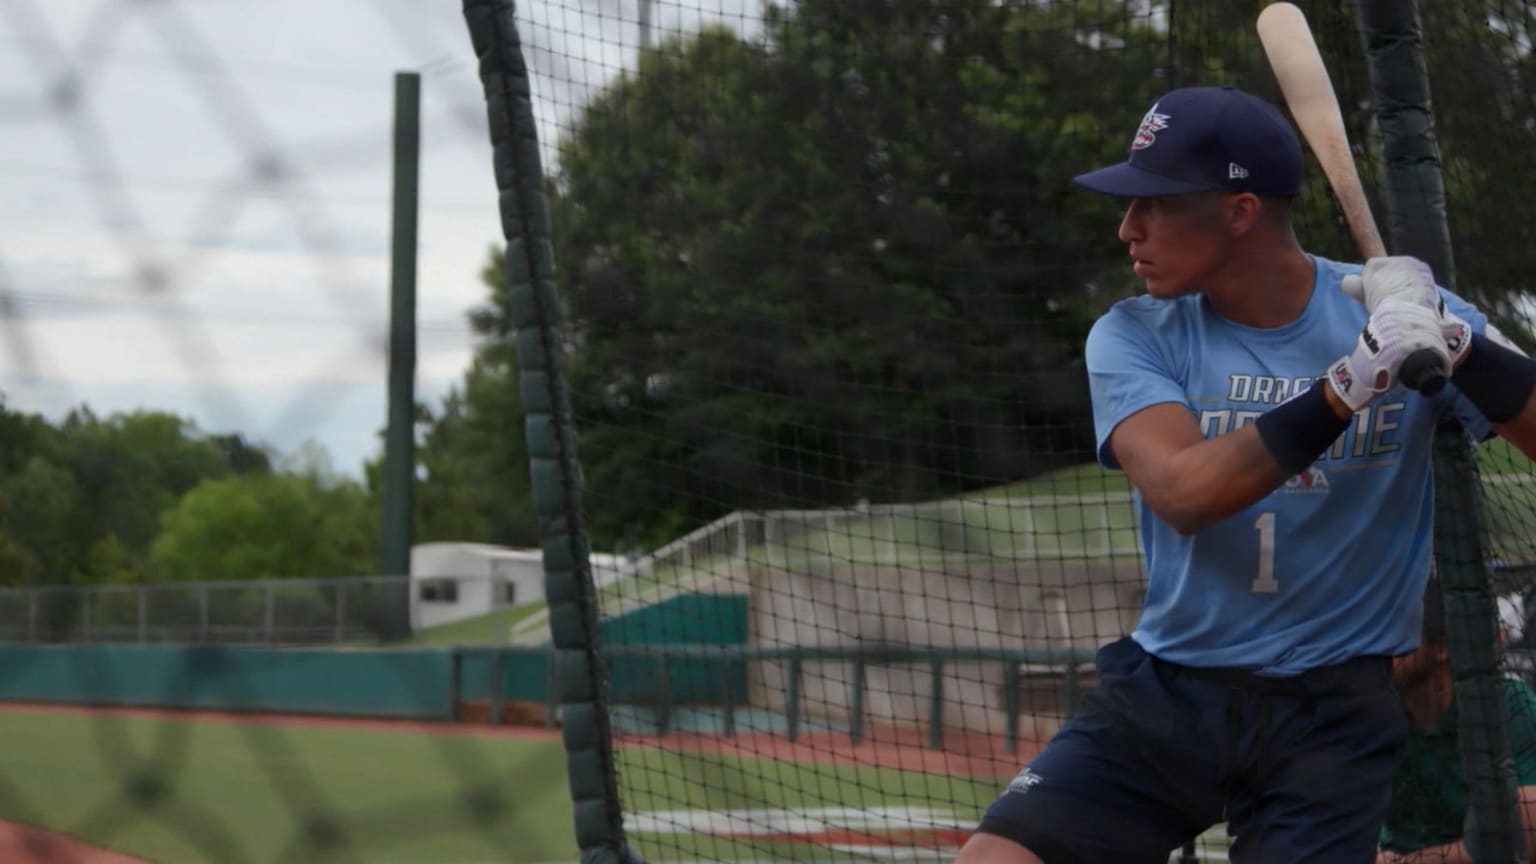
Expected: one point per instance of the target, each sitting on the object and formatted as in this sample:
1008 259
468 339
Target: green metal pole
936 703
728 697
663 693
1069 695
792 697
399 437
498 685
1011 704
856 710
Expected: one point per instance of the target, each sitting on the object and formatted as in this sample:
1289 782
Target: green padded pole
1415 196
534 313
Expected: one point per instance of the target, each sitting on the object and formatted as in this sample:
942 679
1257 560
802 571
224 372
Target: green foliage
473 459
44 521
143 496
1481 72
80 501
843 259
130 468
265 526
800 271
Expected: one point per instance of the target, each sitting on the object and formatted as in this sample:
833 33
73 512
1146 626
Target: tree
131 467
1482 71
1481 68
474 462
268 526
843 263
844 260
80 501
44 519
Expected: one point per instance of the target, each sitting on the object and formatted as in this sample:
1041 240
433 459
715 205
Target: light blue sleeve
1451 400
1127 371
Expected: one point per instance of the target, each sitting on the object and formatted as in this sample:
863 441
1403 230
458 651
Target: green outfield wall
376 683
427 683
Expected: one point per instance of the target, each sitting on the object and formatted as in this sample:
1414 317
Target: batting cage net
773 374
826 284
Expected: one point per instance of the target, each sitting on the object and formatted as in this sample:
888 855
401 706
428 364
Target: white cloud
198 199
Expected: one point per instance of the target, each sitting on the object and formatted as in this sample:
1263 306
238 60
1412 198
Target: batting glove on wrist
1394 331
1402 277
1458 335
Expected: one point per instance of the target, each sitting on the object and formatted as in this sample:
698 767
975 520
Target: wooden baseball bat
1303 79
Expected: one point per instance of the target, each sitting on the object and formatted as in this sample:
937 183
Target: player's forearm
1220 476
1211 480
1500 382
1526 802
1190 481
1335 404
1521 431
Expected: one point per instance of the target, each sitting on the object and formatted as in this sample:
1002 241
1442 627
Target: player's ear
1243 212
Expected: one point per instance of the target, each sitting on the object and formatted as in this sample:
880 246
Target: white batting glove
1395 330
1402 277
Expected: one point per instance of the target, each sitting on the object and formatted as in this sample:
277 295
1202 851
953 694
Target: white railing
1048 527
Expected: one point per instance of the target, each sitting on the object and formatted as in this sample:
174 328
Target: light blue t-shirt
1329 566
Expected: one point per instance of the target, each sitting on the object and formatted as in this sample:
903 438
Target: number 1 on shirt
1265 582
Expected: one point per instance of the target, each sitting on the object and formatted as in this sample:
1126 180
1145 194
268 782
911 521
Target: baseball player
1283 487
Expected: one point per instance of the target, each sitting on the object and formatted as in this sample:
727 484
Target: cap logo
1236 171
1146 133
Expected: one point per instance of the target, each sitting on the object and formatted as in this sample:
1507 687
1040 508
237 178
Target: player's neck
1266 284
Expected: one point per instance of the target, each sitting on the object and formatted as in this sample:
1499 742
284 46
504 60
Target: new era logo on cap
1199 138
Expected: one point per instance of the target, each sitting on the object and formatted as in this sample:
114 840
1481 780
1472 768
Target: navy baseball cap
1200 138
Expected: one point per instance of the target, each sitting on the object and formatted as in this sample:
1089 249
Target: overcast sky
197 199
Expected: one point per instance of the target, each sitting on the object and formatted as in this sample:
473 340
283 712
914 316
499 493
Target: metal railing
271 611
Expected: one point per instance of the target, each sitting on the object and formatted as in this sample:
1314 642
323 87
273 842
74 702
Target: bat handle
1421 371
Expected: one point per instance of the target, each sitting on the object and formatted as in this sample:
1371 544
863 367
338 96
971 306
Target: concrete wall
985 603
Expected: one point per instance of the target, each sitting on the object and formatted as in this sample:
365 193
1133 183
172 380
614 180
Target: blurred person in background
1425 822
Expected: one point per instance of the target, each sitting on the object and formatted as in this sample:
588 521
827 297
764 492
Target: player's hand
1394 331
1399 276
1402 277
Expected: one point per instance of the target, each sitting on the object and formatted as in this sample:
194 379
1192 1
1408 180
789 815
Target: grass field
763 790
190 792
198 792
490 628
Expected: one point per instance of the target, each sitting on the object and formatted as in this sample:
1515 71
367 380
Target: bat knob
1422 371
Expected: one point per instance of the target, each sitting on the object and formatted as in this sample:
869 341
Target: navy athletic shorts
1300 768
